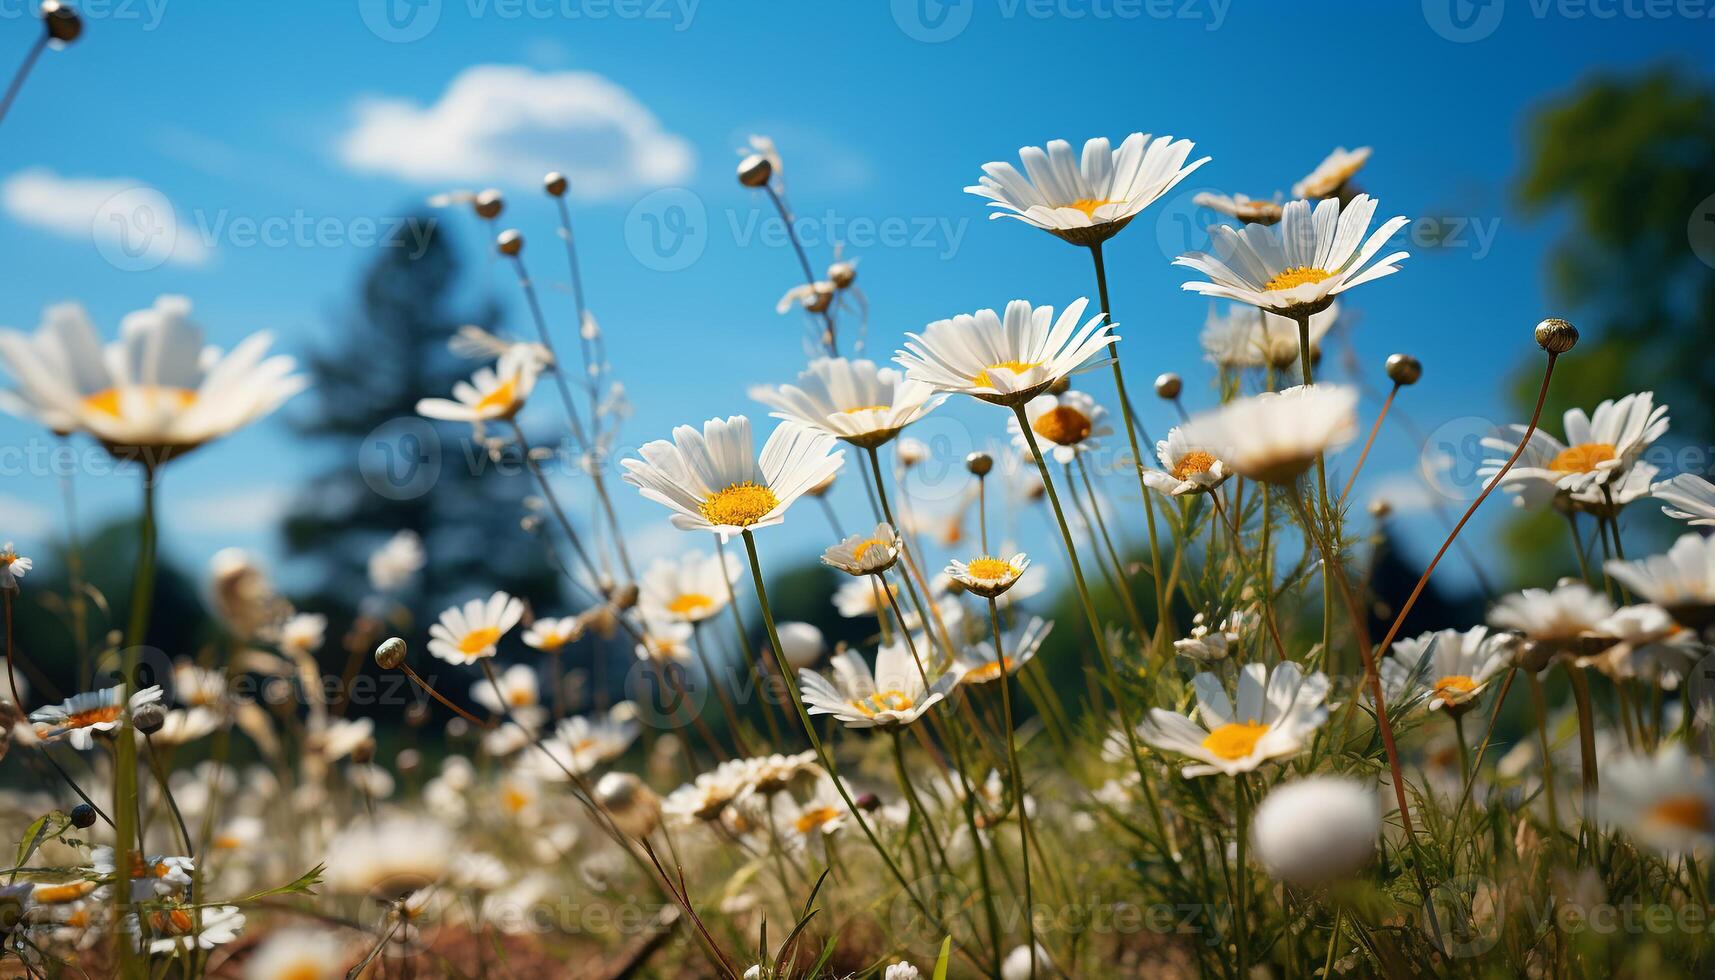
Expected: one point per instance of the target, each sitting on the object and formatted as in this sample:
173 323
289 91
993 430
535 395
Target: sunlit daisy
196 686
1247 337
1665 801
1250 210
979 663
1185 467
1065 425
705 797
1682 580
1009 360
303 633
1332 174
665 640
1688 497
1086 200
182 726
1453 667
988 576
1563 621
863 597
1275 713
1599 449
850 400
493 394
79 718
712 481
1299 265
822 814
549 634
158 389
690 588
1275 436
341 737
893 696
1651 644
518 693
389 857
468 633
13 566
298 954
865 554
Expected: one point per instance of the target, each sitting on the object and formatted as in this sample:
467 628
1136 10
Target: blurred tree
1631 164
394 470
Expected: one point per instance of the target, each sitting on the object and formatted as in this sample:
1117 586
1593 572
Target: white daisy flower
1651 644
493 394
1274 716
705 797
1688 497
342 737
902 971
549 634
393 564
196 686
1665 801
1332 173
388 857
78 718
1085 201
1606 500
863 597
893 696
690 588
1452 666
13 566
175 928
1251 210
182 726
980 664
1185 468
1275 436
581 744
1682 581
712 481
468 633
1016 966
152 877
518 692
1247 337
865 554
1005 361
1067 422
303 633
157 389
1566 620
823 814
298 954
850 400
987 576
1300 264
665 640
1317 830
1599 449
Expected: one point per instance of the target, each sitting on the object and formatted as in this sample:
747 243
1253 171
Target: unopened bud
625 596
1556 336
149 718
1060 386
390 654
633 806
62 21
489 204
510 242
754 170
83 816
1168 385
1380 508
980 464
842 274
1403 369
555 184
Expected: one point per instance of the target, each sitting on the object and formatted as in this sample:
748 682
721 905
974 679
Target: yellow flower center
989 671
1062 425
1303 275
306 970
514 800
689 604
521 697
1582 458
739 505
94 716
172 921
989 569
69 891
1195 461
478 640
1235 740
1688 812
982 380
1088 205
500 399
882 701
153 396
1454 687
226 842
814 819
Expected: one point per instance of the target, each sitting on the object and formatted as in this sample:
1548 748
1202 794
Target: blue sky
324 123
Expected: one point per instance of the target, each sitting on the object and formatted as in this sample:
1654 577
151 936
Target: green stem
125 743
1241 875
1017 781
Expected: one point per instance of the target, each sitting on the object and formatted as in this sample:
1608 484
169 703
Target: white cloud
1405 492
131 224
23 519
510 125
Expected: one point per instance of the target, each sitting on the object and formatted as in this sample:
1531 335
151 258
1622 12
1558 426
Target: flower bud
625 596
980 464
62 21
510 242
1060 385
83 816
555 184
801 644
1168 385
755 170
363 752
1403 369
868 802
149 718
489 204
390 654
1556 336
634 807
842 274
1380 508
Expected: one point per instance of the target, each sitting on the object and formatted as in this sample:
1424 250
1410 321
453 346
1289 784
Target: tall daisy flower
854 401
865 554
550 634
79 718
1332 174
712 481
1185 467
1069 422
519 691
1248 209
891 697
388 858
980 664
1682 580
1247 337
1085 200
1298 266
156 391
493 394
1275 436
988 576
1666 800
472 632
691 588
1004 360
1452 667
1274 715
1565 621
1687 497
1600 448
13 566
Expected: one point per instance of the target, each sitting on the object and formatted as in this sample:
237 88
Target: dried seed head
754 170
1060 386
555 184
1403 369
62 21
83 816
510 242
1168 385
489 204
363 752
979 463
820 298
149 718
842 274
634 807
390 654
625 596
1556 336
1380 508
